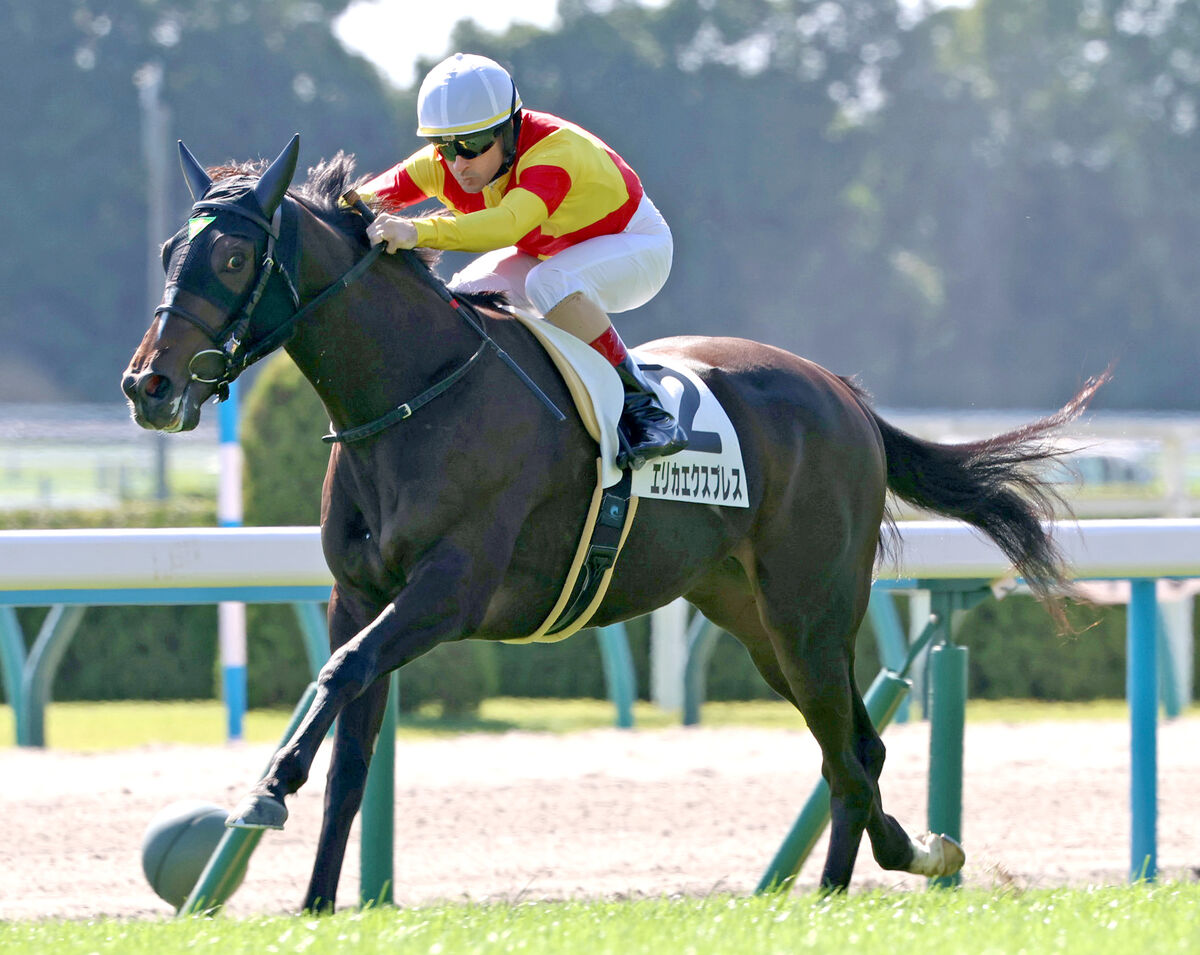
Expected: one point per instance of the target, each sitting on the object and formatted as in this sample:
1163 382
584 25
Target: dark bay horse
461 520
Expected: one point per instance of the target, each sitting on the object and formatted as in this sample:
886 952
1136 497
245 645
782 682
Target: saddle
710 471
598 396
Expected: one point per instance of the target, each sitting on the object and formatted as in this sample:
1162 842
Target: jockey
564 223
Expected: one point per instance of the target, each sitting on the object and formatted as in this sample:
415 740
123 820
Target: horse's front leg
445 597
353 744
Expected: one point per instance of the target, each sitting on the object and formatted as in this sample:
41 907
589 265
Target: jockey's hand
394 231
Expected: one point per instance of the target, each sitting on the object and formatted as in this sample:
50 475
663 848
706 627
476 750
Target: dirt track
605 813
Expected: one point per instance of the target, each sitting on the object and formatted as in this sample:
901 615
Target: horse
456 514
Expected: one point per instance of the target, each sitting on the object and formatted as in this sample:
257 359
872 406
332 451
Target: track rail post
1141 689
229 860
377 837
947 677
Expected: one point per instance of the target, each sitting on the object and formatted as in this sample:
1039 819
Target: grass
96 727
1140 918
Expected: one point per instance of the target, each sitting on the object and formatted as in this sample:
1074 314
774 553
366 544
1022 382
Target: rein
405 410
468 314
228 339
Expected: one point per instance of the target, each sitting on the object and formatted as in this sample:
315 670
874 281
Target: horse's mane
320 193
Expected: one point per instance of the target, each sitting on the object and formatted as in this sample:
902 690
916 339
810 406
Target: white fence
68 569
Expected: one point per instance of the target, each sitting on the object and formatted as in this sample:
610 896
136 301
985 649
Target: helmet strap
510 132
508 144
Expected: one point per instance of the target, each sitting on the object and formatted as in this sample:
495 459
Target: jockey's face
474 174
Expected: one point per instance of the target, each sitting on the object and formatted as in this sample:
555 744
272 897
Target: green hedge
1016 652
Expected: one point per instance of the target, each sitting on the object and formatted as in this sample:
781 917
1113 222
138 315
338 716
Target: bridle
283 233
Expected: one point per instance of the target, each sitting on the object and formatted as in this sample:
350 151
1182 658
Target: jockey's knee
547 284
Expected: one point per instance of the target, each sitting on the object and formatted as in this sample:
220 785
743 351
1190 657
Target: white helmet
465 94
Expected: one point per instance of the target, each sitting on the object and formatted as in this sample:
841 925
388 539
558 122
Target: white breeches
618 272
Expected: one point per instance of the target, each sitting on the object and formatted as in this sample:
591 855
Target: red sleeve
395 189
549 183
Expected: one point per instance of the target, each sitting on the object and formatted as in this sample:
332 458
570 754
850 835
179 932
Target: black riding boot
646 430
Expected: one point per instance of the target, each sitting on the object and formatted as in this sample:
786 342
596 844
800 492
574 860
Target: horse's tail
995 485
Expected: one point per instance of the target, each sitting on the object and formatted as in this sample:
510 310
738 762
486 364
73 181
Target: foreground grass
96 727
1141 918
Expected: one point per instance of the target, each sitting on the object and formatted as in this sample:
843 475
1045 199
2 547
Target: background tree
238 78
974 207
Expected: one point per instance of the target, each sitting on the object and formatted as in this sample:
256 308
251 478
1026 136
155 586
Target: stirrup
626 459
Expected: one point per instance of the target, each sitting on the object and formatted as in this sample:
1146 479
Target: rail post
947 713
947 677
315 631
889 638
12 662
702 639
37 680
377 839
618 671
231 615
229 860
1141 688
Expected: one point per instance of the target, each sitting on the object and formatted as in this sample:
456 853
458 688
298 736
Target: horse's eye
236 262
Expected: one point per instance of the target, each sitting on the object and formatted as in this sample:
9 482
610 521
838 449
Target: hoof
258 811
936 856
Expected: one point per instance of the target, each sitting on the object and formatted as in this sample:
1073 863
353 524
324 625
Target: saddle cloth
709 471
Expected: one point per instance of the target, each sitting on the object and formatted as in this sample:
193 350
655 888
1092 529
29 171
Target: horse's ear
197 179
274 182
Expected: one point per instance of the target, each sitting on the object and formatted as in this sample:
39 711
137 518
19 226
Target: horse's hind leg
894 849
858 757
811 606
806 659
890 844
932 854
816 673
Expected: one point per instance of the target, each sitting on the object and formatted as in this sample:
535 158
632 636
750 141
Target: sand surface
607 813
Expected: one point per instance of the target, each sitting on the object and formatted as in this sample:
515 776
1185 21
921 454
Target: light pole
155 121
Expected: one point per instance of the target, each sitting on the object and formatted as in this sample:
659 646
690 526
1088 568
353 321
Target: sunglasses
468 146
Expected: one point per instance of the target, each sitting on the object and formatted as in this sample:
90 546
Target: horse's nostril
156 386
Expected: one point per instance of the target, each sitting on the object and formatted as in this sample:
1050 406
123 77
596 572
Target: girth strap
603 549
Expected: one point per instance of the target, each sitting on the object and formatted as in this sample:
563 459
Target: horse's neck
378 342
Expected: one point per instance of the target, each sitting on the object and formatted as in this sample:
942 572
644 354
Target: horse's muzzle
158 404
